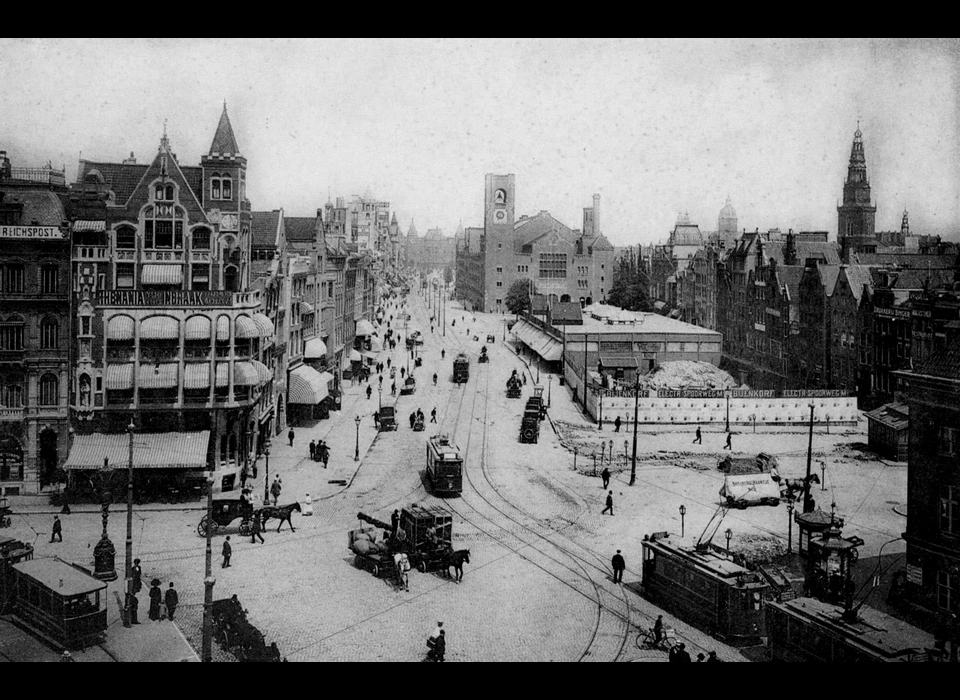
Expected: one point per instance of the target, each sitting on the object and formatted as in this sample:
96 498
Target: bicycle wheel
643 640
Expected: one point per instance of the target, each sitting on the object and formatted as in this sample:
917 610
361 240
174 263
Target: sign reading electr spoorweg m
36 232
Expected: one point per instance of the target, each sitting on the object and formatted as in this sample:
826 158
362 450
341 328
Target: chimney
790 252
131 160
596 215
5 165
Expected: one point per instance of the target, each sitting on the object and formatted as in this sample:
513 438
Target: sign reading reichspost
34 232
171 297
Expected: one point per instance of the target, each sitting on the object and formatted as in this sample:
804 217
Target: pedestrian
307 506
413 419
609 504
433 414
226 552
712 657
137 573
133 605
605 475
388 360
290 437
402 371
683 656
434 636
380 379
376 419
395 521
67 657
313 450
57 529
443 353
698 440
618 566
243 477
419 414
155 597
275 489
256 526
524 379
701 657
393 389
616 425
324 453
172 599
729 445
369 391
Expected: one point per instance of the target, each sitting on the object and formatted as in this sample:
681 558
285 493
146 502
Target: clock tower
856 217
498 218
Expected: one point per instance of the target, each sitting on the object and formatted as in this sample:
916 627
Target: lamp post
790 506
266 473
574 458
728 534
549 389
727 392
823 475
104 553
636 411
594 462
356 455
610 454
683 512
381 395
128 563
208 580
807 500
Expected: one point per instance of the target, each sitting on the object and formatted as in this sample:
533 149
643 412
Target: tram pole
636 411
209 580
128 577
807 501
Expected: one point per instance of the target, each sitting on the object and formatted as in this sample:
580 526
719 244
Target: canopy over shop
308 394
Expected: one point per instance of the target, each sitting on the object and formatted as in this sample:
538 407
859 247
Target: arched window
163 227
158 192
231 278
49 390
215 186
12 395
49 334
227 187
200 239
169 193
126 237
85 390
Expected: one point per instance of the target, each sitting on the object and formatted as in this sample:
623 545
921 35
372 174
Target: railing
163 255
12 413
125 254
47 176
199 257
81 253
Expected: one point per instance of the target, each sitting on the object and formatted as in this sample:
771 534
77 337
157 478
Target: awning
306 308
553 352
354 356
223 328
265 325
326 377
89 225
369 355
544 345
160 328
120 328
244 327
306 386
161 274
376 345
314 349
150 450
364 327
628 361
198 328
119 377
196 376
245 374
263 372
162 376
223 374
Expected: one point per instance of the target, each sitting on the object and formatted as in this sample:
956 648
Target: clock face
500 215
228 222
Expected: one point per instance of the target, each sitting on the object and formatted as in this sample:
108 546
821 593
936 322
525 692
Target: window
163 227
227 187
948 440
126 238
49 390
200 239
950 510
499 246
13 279
215 186
49 334
12 396
499 302
499 270
11 337
200 274
553 266
85 326
49 279
124 276
101 281
499 283
947 584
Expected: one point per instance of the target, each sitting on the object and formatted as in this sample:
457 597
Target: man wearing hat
137 575
618 566
156 597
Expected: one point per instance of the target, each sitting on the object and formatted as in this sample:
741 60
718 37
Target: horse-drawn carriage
236 635
409 386
227 510
514 386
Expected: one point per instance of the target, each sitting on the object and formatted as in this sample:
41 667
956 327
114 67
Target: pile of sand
684 374
760 549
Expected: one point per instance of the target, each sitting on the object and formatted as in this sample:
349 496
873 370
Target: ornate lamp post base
104 557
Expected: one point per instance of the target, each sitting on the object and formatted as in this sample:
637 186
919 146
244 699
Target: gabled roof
533 227
907 260
913 279
567 312
189 179
686 234
828 253
265 228
120 178
944 362
857 277
829 275
40 207
224 141
790 276
300 228
601 243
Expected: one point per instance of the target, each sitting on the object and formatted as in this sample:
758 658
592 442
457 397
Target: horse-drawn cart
409 386
225 511
5 512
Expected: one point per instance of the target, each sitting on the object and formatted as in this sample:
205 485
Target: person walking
419 414
307 506
618 566
712 657
324 453
395 521
380 379
376 420
156 596
227 551
729 445
443 353
605 475
434 378
413 419
290 437
313 451
440 647
134 606
609 504
433 415
369 391
393 389
698 440
683 656
172 600
57 529
136 573
275 489
432 639
388 359
658 630
616 424
256 527
524 379
402 372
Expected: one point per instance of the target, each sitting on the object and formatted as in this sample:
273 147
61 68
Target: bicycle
647 639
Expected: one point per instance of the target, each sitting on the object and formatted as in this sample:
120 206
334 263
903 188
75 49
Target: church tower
727 223
856 217
225 201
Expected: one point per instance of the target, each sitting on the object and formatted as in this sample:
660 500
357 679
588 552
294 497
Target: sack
431 642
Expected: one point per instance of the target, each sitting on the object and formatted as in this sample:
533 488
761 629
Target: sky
656 127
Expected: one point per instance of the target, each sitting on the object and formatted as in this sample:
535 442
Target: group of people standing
163 604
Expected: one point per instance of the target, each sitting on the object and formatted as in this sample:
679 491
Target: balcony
88 253
12 413
13 355
45 176
163 255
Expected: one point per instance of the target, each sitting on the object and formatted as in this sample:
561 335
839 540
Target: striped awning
89 225
198 328
265 325
162 376
223 328
120 328
354 356
245 374
223 374
160 328
244 327
306 386
150 450
196 376
314 349
306 308
119 376
376 345
264 374
364 327
161 274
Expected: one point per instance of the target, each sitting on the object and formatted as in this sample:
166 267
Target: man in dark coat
290 437
313 450
227 553
433 415
134 605
137 574
729 445
618 566
609 504
413 419
605 475
683 656
172 599
698 440
369 391
395 521
440 646
155 597
57 529
616 425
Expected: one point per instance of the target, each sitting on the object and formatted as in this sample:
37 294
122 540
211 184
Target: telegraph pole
129 544
209 580
636 410
807 505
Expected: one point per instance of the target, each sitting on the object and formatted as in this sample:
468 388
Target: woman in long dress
307 506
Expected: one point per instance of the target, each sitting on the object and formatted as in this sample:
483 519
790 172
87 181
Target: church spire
224 142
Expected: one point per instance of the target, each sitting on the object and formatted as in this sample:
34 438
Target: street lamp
549 389
683 512
209 580
636 411
128 564
728 534
790 507
727 392
266 475
574 458
823 475
356 455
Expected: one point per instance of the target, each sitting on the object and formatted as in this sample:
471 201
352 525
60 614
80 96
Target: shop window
125 273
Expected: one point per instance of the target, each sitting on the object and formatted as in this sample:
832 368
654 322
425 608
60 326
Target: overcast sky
655 127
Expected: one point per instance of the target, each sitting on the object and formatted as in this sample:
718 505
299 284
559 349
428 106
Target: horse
402 564
281 513
456 560
791 487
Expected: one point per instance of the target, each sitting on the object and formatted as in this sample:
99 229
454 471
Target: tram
11 552
703 586
444 466
461 369
807 629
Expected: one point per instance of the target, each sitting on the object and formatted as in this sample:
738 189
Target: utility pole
129 544
636 411
209 580
807 505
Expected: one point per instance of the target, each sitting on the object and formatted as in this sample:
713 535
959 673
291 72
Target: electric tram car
444 466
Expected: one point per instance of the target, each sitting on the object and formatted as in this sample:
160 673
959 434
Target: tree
629 288
518 296
448 274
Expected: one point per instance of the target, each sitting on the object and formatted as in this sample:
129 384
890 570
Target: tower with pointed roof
856 216
727 222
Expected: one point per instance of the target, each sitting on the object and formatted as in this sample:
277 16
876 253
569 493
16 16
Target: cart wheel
376 570
422 566
202 527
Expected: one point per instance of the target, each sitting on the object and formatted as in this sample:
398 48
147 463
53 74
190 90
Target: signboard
32 232
751 488
734 394
893 313
174 297
914 574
